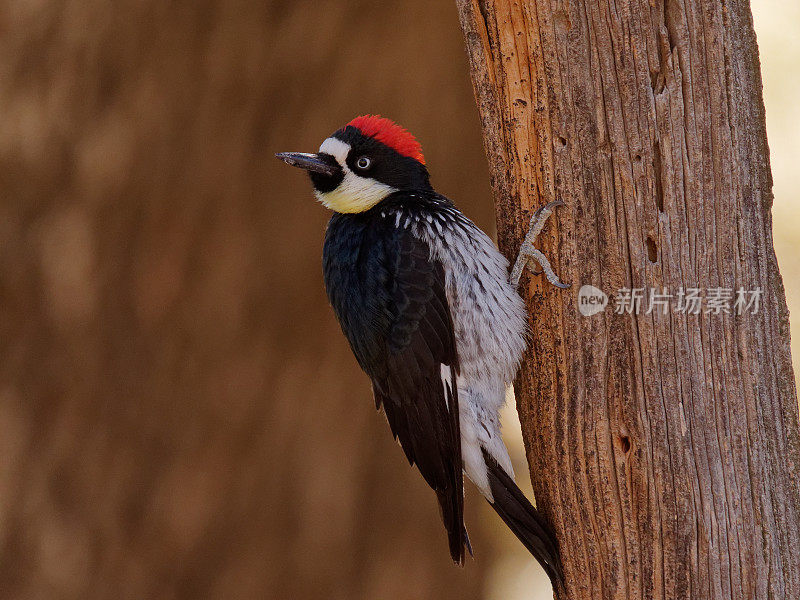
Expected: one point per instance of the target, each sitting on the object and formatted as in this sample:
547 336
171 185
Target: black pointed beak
315 163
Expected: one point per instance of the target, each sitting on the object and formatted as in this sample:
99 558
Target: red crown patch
389 133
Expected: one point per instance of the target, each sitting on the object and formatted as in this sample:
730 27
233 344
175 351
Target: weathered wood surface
663 447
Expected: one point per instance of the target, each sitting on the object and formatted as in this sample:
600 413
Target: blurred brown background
180 416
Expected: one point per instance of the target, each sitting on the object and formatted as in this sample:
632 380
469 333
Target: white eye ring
364 163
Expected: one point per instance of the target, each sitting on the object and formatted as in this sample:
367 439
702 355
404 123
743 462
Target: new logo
591 300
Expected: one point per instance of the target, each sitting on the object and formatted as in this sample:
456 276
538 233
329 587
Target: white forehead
336 148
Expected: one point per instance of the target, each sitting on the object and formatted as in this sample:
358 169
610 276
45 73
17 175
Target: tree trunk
663 447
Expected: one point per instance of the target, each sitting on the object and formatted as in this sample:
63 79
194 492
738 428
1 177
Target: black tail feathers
453 517
524 520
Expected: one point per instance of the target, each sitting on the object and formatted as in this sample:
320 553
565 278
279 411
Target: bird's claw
529 255
547 207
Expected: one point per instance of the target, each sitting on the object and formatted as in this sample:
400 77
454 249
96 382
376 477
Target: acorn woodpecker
425 299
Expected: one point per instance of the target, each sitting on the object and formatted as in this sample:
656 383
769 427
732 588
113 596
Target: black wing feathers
389 296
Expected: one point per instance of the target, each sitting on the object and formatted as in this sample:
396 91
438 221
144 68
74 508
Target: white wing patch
447 382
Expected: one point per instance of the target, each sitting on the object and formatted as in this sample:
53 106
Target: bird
433 317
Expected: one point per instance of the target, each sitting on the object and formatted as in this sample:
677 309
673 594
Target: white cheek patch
355 193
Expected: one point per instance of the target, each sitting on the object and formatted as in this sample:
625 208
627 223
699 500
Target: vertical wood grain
663 447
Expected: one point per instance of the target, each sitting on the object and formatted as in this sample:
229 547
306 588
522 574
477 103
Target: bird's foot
529 256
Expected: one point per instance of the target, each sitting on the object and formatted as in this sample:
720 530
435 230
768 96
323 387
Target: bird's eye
364 163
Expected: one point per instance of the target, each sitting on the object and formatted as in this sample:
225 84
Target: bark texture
663 447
